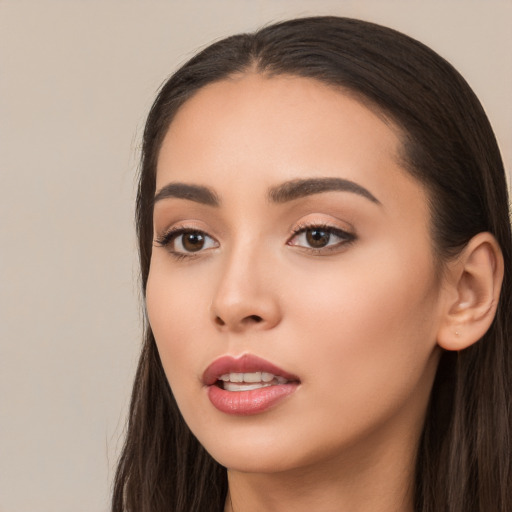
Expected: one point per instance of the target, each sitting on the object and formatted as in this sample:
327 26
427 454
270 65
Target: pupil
193 241
317 238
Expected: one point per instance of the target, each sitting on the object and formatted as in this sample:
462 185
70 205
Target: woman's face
290 241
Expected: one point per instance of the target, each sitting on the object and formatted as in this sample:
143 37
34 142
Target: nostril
250 319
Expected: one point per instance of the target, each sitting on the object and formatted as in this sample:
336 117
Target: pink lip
246 402
244 364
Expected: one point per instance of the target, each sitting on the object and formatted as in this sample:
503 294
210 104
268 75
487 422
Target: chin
255 461
264 451
251 449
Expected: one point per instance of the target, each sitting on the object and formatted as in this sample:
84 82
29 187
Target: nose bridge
245 296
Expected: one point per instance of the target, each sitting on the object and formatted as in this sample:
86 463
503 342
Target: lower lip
255 401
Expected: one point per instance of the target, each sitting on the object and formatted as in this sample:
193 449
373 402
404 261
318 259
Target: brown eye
183 241
317 238
321 239
193 241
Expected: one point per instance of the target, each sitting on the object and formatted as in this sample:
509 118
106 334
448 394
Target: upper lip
246 363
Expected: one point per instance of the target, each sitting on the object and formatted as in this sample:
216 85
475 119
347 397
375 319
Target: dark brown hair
464 457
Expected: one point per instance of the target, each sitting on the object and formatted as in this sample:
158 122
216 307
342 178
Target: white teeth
251 378
266 377
234 386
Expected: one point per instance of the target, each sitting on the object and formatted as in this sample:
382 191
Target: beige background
76 80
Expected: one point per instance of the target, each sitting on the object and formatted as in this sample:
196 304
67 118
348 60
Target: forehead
259 130
277 114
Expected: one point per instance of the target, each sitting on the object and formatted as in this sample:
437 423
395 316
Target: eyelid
167 238
347 237
179 226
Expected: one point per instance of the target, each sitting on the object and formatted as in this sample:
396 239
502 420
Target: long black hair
464 457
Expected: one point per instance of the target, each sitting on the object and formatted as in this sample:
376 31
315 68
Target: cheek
354 329
370 323
173 305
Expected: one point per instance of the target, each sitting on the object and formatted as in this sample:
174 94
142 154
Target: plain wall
76 81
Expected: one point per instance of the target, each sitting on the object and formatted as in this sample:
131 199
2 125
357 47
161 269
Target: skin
356 321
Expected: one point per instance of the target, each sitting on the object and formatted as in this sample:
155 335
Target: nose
246 296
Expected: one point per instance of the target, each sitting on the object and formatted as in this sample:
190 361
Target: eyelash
166 240
345 236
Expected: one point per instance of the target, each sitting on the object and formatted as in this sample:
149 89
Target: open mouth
249 381
247 384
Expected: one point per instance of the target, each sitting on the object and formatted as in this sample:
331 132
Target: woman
325 254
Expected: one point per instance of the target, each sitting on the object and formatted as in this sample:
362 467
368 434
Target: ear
470 293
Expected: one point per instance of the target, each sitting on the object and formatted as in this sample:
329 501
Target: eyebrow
296 189
196 193
288 191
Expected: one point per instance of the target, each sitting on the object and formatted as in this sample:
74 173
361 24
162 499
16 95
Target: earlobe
471 292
